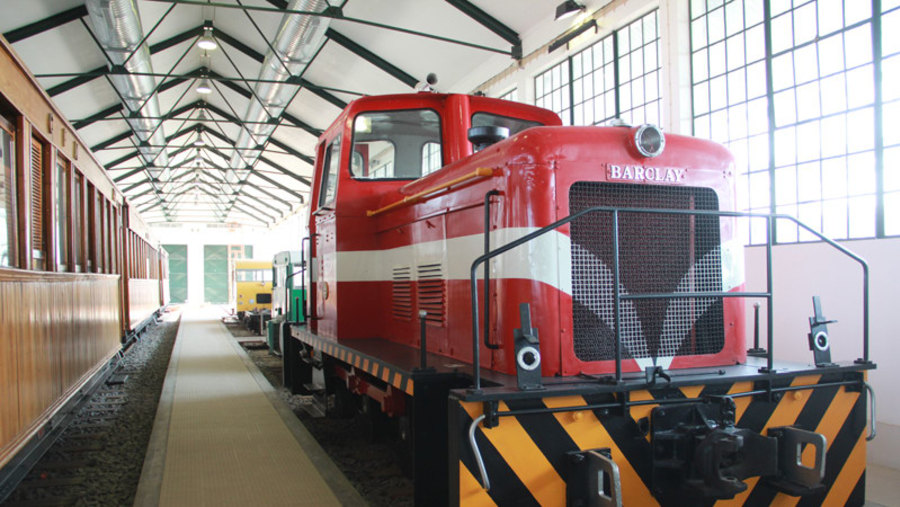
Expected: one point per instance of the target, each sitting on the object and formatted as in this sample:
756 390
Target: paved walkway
223 437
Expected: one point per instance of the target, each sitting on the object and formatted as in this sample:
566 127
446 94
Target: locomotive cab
380 151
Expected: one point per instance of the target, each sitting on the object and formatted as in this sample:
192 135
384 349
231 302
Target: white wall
803 270
266 243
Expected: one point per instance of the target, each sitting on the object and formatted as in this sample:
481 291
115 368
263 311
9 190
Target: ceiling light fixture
568 9
207 42
204 88
572 34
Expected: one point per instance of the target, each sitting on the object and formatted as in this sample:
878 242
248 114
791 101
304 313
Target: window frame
440 122
324 202
10 173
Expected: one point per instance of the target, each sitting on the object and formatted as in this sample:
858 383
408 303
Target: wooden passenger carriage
79 274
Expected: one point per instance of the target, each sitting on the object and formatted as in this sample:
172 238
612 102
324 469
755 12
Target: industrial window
807 121
512 95
61 212
616 77
7 194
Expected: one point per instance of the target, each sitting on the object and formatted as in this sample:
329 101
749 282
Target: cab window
396 144
330 172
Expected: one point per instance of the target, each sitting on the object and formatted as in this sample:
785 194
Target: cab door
323 220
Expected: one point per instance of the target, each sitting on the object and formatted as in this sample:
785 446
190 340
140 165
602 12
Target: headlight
649 140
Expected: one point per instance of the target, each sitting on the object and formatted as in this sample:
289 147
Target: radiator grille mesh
658 254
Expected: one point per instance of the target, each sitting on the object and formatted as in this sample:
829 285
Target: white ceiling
192 191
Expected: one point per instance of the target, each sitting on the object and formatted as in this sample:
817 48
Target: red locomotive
591 272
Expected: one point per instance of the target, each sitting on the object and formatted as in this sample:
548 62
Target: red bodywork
367 283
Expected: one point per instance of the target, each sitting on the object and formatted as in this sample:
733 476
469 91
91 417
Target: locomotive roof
437 101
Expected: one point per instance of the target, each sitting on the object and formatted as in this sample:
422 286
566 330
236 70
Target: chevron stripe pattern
524 455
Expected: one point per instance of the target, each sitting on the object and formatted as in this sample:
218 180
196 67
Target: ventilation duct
117 26
297 41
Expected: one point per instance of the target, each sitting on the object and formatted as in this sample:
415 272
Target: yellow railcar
252 282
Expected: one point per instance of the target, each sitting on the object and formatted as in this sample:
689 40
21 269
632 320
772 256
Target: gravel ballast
97 460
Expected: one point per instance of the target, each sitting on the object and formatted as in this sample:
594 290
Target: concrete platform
222 436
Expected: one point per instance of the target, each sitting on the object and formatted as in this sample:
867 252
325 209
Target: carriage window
60 198
329 174
78 215
515 125
396 144
7 185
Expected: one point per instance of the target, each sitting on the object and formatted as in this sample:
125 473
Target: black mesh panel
659 253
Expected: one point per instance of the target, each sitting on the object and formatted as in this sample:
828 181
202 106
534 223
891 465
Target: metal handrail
770 221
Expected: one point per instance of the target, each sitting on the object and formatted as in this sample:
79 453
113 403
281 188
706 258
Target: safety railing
618 297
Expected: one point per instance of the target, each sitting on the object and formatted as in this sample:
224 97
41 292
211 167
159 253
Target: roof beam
491 23
128 133
119 160
95 73
106 113
129 174
136 185
45 24
240 46
75 82
176 39
272 196
112 140
323 94
240 206
261 176
259 57
371 57
297 122
276 184
285 171
306 158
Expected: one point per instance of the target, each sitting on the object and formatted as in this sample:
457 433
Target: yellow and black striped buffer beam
525 455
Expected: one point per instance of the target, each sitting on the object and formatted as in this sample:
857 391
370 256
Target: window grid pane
890 86
639 94
512 95
583 90
552 90
823 93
